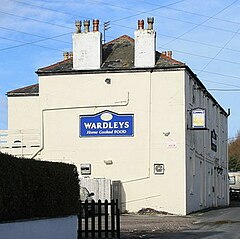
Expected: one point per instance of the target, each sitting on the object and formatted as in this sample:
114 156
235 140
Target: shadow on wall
119 193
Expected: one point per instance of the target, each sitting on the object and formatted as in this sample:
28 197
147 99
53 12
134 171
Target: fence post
80 220
86 217
93 218
99 219
112 218
106 217
117 219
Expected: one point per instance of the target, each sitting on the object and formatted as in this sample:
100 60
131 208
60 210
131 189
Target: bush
30 188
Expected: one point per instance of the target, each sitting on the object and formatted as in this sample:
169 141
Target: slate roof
117 54
32 90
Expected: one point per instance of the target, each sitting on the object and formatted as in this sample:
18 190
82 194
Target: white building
124 111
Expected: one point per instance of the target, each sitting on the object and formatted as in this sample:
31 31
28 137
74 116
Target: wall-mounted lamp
108 161
108 81
166 133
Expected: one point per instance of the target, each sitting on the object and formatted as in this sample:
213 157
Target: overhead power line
36 20
31 34
182 39
200 24
202 56
124 8
214 58
164 6
226 90
225 84
219 74
188 12
49 9
31 43
140 13
66 13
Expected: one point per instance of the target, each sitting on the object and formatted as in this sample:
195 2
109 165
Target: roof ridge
116 39
55 64
169 58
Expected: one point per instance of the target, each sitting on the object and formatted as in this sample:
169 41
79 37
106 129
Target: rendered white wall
56 228
157 107
23 112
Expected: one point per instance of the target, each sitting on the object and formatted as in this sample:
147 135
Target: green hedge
30 188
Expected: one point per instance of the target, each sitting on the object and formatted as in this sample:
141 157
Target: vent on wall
158 168
85 169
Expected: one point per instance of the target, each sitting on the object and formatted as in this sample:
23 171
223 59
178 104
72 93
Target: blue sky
203 34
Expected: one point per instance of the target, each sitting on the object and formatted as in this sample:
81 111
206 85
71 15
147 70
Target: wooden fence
99 219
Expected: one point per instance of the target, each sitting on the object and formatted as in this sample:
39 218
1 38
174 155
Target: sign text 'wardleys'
106 123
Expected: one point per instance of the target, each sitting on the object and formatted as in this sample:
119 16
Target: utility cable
30 34
200 24
49 9
124 8
32 43
214 58
140 13
188 12
202 56
182 39
36 20
225 84
219 74
226 90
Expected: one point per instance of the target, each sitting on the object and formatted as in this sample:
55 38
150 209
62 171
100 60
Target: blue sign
106 123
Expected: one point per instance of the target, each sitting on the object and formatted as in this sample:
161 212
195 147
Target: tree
234 153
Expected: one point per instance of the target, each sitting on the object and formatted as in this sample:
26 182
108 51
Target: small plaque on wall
159 168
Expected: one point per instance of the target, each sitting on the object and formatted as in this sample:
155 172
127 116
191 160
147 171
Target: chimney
87 46
145 44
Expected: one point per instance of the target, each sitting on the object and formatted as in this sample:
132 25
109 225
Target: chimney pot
65 55
70 54
169 54
95 25
150 21
86 24
78 25
164 53
140 24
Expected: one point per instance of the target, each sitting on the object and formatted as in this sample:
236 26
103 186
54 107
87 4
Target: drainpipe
149 134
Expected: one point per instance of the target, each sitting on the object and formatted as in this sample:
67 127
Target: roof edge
205 90
113 70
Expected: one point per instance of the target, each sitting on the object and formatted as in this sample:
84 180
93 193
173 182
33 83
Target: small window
232 180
